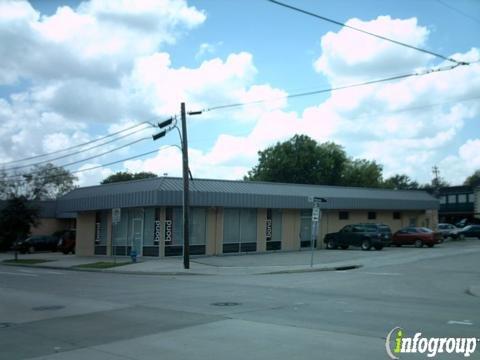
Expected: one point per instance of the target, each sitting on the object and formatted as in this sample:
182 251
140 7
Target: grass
102 265
25 261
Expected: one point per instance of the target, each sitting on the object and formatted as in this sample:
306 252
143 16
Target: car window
358 228
442 227
424 230
411 230
347 228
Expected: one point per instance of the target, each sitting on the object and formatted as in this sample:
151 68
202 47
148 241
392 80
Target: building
458 203
229 216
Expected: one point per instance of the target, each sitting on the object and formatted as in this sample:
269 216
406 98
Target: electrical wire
102 165
73 153
86 159
459 11
366 32
321 91
78 145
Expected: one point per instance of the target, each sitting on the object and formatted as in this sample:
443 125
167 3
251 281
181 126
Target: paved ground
60 314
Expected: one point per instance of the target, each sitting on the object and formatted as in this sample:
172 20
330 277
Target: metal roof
167 191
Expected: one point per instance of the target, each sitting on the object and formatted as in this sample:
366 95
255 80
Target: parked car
66 242
417 236
364 235
467 231
446 230
37 243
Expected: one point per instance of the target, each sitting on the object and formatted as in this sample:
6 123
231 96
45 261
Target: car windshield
468 227
425 230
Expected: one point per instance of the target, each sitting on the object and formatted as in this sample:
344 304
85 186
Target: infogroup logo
397 343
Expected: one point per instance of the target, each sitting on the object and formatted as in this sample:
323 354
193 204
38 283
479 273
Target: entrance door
137 238
305 228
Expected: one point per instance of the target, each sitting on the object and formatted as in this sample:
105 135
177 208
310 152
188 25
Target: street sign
315 214
316 199
116 215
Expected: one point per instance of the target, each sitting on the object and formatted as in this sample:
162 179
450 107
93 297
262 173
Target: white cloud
349 55
92 177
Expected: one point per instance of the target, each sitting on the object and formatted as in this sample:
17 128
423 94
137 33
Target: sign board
116 215
315 214
316 199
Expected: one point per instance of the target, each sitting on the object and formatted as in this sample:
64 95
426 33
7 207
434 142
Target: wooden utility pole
186 199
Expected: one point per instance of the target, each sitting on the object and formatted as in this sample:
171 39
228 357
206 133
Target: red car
417 236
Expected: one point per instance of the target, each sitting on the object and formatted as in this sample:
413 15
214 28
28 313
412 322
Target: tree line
302 160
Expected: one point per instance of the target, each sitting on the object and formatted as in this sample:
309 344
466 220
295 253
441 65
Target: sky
72 72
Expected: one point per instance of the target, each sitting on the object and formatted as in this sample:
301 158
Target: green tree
43 182
126 176
473 180
16 218
400 182
363 173
300 160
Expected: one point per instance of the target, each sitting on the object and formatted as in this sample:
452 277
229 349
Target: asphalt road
50 314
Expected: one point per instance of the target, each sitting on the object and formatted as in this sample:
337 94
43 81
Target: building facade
458 203
229 217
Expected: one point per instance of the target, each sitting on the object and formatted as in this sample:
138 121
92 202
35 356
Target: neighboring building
458 203
229 216
50 220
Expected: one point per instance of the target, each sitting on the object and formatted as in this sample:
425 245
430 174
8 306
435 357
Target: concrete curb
307 270
183 273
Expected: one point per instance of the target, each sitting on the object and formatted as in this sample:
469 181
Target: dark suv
364 235
37 243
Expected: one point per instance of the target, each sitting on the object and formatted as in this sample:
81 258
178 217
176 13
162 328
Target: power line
366 32
459 11
103 165
74 153
89 158
321 91
78 145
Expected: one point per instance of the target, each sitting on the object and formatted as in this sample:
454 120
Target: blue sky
75 71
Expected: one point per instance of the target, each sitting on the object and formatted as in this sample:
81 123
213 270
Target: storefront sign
268 225
156 227
168 226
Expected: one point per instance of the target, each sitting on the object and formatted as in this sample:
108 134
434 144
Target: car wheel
331 245
418 243
366 245
344 247
378 247
31 249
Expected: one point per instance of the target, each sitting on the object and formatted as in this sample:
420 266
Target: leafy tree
400 182
300 160
43 182
364 173
126 176
16 218
473 180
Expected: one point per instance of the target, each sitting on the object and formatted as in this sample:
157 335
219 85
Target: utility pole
186 199
436 180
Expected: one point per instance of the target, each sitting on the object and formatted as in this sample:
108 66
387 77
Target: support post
186 200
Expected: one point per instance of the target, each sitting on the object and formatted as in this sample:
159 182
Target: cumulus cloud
349 55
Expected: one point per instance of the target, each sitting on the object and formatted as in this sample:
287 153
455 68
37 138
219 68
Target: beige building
229 216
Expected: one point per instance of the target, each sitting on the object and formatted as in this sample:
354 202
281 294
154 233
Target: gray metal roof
167 191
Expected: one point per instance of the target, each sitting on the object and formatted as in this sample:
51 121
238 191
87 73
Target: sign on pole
116 215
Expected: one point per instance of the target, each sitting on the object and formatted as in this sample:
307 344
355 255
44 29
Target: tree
126 176
300 160
16 218
363 173
400 182
473 180
43 182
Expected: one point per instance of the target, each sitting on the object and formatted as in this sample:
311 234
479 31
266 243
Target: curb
178 273
307 270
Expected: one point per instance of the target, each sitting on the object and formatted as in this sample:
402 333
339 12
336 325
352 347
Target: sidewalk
255 264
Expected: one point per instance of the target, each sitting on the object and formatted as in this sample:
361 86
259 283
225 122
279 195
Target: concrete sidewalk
266 263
